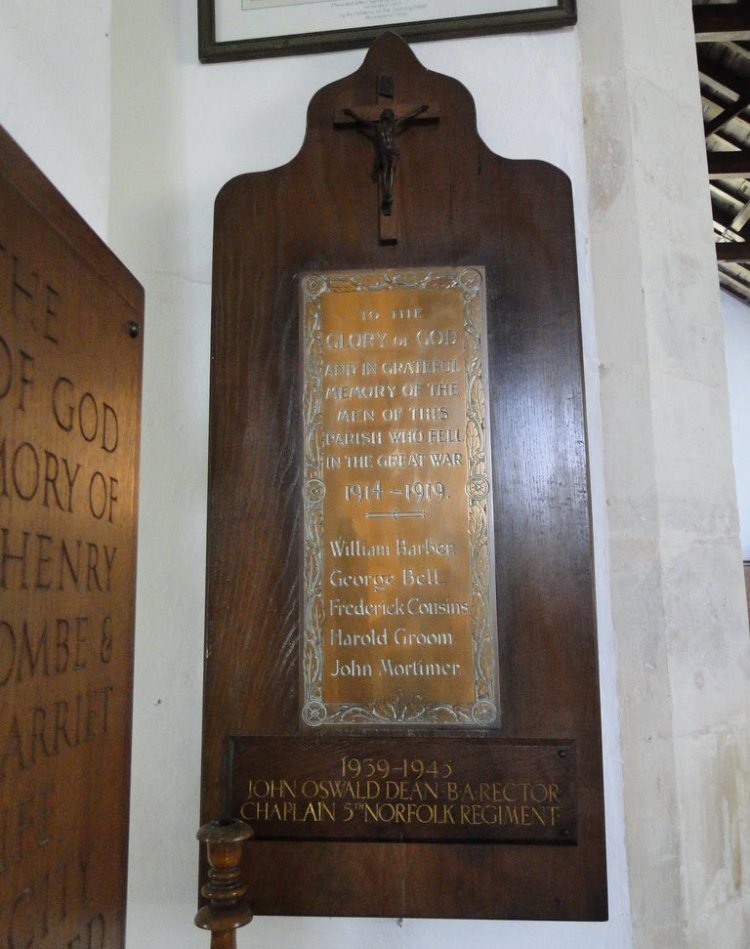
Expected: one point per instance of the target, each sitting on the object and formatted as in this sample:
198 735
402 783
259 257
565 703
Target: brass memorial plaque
399 622
434 790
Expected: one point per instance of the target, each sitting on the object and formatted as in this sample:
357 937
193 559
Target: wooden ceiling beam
741 218
729 165
722 23
727 136
734 286
739 50
730 82
733 251
721 198
723 223
725 117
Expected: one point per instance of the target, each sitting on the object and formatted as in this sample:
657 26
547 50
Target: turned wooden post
225 911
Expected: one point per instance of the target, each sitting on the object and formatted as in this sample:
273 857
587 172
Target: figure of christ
384 130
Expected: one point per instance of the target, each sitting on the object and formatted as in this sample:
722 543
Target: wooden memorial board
70 375
401 691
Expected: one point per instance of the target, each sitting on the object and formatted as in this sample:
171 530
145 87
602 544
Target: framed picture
248 29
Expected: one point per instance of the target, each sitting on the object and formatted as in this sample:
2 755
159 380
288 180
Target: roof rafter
733 251
721 23
720 76
723 165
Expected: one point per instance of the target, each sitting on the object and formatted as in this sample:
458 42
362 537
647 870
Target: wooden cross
383 121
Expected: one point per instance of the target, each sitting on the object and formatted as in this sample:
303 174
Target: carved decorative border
408 711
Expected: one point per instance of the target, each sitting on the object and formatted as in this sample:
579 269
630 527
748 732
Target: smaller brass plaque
399 622
430 790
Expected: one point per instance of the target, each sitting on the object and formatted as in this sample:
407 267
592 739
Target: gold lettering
394 407
409 791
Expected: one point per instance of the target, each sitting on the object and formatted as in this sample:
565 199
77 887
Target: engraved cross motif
382 122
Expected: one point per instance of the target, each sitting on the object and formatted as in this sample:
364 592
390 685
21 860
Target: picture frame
251 29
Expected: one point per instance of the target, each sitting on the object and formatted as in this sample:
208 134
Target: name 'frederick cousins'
414 606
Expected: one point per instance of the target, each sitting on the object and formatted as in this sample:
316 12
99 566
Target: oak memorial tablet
70 377
401 670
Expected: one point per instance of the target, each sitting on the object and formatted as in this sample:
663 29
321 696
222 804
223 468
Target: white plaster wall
737 337
180 130
55 95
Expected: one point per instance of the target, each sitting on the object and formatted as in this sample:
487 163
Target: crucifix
382 122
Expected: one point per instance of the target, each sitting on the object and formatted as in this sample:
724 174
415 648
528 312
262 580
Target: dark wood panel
70 376
459 205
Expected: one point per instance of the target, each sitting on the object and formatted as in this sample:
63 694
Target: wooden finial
225 911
